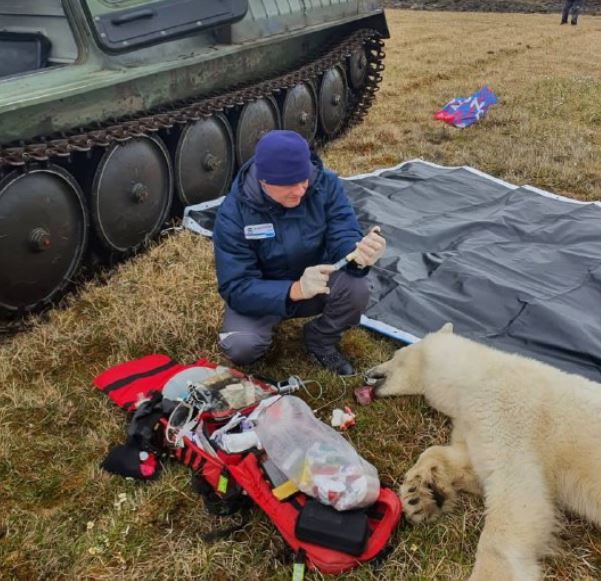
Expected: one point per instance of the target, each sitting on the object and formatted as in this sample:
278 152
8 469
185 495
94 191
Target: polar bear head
402 375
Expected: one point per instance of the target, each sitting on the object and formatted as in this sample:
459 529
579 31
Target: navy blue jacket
255 276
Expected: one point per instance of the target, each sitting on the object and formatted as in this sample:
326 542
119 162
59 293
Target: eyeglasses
182 421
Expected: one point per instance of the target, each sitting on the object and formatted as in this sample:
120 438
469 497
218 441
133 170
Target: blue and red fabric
462 112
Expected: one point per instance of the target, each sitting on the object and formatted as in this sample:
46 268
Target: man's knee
355 291
361 292
243 348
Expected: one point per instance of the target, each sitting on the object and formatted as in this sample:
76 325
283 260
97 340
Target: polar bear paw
427 491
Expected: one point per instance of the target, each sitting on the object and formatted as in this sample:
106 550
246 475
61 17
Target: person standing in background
573 6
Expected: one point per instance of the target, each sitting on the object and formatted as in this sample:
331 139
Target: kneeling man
277 233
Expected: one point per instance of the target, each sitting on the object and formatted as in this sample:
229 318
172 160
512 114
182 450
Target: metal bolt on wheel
204 160
299 110
333 96
44 226
256 119
132 193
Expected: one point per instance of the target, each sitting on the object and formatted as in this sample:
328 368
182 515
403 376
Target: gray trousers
574 6
245 339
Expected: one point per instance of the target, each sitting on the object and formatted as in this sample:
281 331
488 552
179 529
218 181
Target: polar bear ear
446 328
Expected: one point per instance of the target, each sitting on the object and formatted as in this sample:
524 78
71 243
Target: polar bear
525 435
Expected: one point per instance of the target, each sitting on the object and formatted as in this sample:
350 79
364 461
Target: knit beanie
282 158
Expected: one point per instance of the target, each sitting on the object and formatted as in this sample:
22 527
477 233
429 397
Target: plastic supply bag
178 386
315 457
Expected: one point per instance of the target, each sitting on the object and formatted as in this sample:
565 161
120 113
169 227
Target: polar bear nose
374 378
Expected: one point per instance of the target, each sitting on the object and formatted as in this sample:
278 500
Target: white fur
525 434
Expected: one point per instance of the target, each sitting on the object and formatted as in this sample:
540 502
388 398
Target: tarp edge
388 330
475 171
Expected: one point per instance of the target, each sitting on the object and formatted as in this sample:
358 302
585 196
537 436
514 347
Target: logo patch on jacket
259 231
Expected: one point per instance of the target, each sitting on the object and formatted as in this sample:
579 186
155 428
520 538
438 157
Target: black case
324 526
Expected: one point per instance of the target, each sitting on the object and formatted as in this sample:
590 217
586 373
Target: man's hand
314 281
370 249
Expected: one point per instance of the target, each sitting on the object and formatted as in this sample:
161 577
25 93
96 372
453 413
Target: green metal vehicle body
103 63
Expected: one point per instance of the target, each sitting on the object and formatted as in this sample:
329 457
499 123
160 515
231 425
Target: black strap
130 378
233 491
216 503
217 534
372 512
294 502
378 561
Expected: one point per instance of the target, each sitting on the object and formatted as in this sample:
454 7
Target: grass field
527 6
63 518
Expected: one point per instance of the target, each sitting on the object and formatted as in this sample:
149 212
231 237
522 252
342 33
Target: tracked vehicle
116 113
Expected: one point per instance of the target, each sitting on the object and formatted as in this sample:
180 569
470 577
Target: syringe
352 255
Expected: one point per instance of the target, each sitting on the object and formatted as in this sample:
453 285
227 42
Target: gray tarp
515 268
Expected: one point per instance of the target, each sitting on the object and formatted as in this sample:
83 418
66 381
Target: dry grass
546 129
61 518
528 6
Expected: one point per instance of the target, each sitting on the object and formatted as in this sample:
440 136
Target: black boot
327 356
332 360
